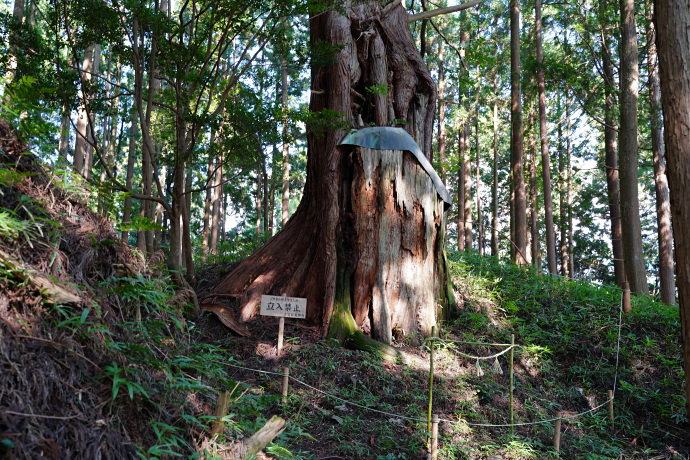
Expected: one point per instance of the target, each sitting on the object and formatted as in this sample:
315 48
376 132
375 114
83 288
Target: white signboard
289 307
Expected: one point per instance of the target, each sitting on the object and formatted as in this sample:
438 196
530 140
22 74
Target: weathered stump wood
396 220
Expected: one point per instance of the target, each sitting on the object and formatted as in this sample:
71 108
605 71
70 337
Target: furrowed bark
365 244
672 19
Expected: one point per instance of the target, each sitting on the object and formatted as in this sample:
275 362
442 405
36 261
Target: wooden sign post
283 306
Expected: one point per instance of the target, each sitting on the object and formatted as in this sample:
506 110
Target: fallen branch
51 292
261 438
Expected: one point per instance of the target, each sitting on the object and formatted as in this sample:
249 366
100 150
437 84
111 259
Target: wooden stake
512 345
431 377
557 433
281 331
434 437
626 297
610 394
221 411
286 379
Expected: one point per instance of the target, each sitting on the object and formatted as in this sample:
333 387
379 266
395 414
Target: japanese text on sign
289 307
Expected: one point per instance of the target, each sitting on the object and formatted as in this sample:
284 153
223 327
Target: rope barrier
457 422
485 357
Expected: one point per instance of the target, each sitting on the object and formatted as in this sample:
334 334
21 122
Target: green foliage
238 246
24 106
319 122
568 337
27 223
378 90
139 223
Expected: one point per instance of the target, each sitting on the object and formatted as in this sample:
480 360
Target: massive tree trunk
667 285
365 245
672 24
627 152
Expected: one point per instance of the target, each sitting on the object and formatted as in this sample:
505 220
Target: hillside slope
97 359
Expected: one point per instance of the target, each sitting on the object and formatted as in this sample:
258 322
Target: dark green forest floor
123 373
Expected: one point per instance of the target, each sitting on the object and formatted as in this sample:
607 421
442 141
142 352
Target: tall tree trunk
272 191
188 255
259 200
285 198
667 285
462 164
461 188
673 43
129 181
207 204
628 154
569 199
91 130
218 199
106 201
82 116
480 227
223 212
545 163
611 152
467 181
159 233
562 216
494 182
516 138
264 174
17 19
63 147
362 263
534 210
146 189
178 208
441 115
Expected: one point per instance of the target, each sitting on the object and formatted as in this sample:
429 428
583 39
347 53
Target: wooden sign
288 307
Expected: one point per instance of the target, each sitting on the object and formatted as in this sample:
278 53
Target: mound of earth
55 254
